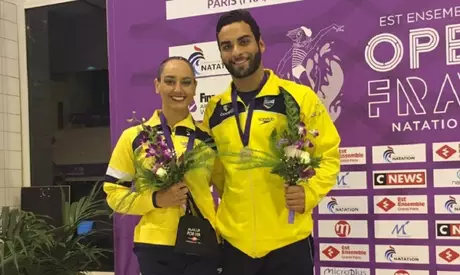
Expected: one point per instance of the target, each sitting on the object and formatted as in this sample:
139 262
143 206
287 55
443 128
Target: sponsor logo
400 229
446 177
352 155
402 254
446 151
343 205
395 229
386 204
399 153
331 252
400 179
449 255
344 252
401 204
265 120
342 228
448 230
447 204
353 180
344 271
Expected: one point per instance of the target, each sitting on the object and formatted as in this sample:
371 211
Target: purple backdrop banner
389 74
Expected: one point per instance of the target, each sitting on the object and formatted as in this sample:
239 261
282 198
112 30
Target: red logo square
331 252
446 152
386 204
449 255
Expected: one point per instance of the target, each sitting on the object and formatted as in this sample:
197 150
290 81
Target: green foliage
293 117
31 246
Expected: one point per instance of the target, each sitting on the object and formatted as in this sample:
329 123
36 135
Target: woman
161 210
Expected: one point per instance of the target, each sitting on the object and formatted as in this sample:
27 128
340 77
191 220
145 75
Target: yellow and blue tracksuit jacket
157 226
252 215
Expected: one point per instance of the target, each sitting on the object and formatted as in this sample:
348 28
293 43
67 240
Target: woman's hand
175 195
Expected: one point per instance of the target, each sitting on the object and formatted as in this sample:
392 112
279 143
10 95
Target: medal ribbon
244 136
167 134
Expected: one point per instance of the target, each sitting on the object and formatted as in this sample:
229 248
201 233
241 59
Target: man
253 213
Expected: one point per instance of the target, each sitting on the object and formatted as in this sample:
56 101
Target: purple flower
168 154
144 136
307 173
299 144
151 152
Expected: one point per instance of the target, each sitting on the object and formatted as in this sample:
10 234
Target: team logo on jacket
268 103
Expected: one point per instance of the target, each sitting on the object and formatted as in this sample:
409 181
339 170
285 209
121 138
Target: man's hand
175 195
295 198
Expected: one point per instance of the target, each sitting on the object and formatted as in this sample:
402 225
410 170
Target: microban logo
400 178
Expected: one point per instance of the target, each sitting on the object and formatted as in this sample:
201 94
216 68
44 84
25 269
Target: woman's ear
157 83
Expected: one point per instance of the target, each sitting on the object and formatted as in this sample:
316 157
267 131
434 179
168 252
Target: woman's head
176 83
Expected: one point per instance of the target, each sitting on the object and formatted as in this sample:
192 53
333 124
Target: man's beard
254 63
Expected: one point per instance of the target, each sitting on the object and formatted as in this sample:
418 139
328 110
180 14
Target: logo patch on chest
269 103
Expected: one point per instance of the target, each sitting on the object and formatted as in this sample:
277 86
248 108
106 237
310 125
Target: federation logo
195 59
331 205
449 255
389 254
451 204
445 152
386 204
331 252
388 153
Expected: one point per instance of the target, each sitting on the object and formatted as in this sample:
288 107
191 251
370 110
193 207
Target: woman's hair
163 63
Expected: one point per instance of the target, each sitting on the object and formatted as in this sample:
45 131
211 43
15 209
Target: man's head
240 43
176 83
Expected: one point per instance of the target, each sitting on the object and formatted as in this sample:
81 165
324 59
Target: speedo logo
265 120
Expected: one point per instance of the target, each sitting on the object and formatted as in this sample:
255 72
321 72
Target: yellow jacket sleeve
119 176
326 146
217 176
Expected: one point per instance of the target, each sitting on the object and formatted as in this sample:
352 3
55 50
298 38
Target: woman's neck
174 116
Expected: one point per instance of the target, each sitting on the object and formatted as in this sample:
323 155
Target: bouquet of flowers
288 156
157 166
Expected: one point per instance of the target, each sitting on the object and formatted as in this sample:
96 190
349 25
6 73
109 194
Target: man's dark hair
163 63
239 15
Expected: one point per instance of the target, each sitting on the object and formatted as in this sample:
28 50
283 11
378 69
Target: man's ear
261 45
